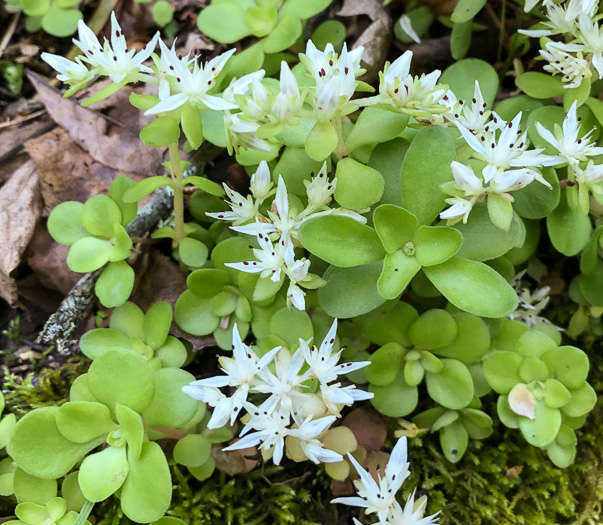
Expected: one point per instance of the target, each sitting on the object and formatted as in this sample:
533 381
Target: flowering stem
84 513
178 193
340 150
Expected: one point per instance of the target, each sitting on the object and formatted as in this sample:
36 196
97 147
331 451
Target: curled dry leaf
20 208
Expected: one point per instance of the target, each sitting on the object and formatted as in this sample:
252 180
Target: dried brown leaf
236 461
20 208
46 258
109 141
369 428
67 172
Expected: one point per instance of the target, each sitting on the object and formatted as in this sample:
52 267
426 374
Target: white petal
170 103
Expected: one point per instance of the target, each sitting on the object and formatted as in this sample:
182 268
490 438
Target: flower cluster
378 496
290 408
574 59
575 151
276 228
531 303
499 152
420 97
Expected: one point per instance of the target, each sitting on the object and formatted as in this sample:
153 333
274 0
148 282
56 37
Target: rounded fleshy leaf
436 244
132 427
96 342
121 378
193 314
555 394
434 329
567 364
192 451
541 430
321 141
533 369
358 186
452 387
115 284
84 421
40 449
341 241
472 340
395 226
581 402
569 229
482 240
129 319
192 252
172 353
425 168
350 292
396 399
501 369
385 365
390 325
207 282
170 406
65 223
212 18
454 440
474 287
398 270
88 254
32 489
147 491
291 325
100 214
157 322
461 76
162 131
103 473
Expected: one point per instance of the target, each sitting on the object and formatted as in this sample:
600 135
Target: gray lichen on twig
62 323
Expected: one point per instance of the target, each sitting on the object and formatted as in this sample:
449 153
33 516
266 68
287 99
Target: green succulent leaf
162 131
103 473
358 186
385 365
88 254
41 450
147 491
170 406
398 270
501 369
145 186
350 292
341 241
115 284
474 287
567 364
375 126
540 85
452 387
121 378
436 244
395 226
321 141
32 489
65 223
424 168
454 440
541 430
83 421
193 450
131 425
396 399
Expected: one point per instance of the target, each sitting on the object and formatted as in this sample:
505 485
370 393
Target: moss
48 387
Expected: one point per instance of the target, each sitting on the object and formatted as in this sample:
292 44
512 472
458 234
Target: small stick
62 323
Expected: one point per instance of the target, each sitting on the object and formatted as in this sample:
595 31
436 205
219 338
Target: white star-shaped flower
240 371
574 69
380 496
192 85
565 139
69 72
307 432
323 363
114 59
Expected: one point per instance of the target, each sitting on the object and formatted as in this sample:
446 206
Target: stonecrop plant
385 253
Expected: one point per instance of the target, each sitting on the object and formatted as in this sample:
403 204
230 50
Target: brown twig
9 32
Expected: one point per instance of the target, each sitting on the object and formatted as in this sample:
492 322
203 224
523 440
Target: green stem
340 150
84 513
178 185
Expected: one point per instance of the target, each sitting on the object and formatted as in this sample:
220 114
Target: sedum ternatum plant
387 252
